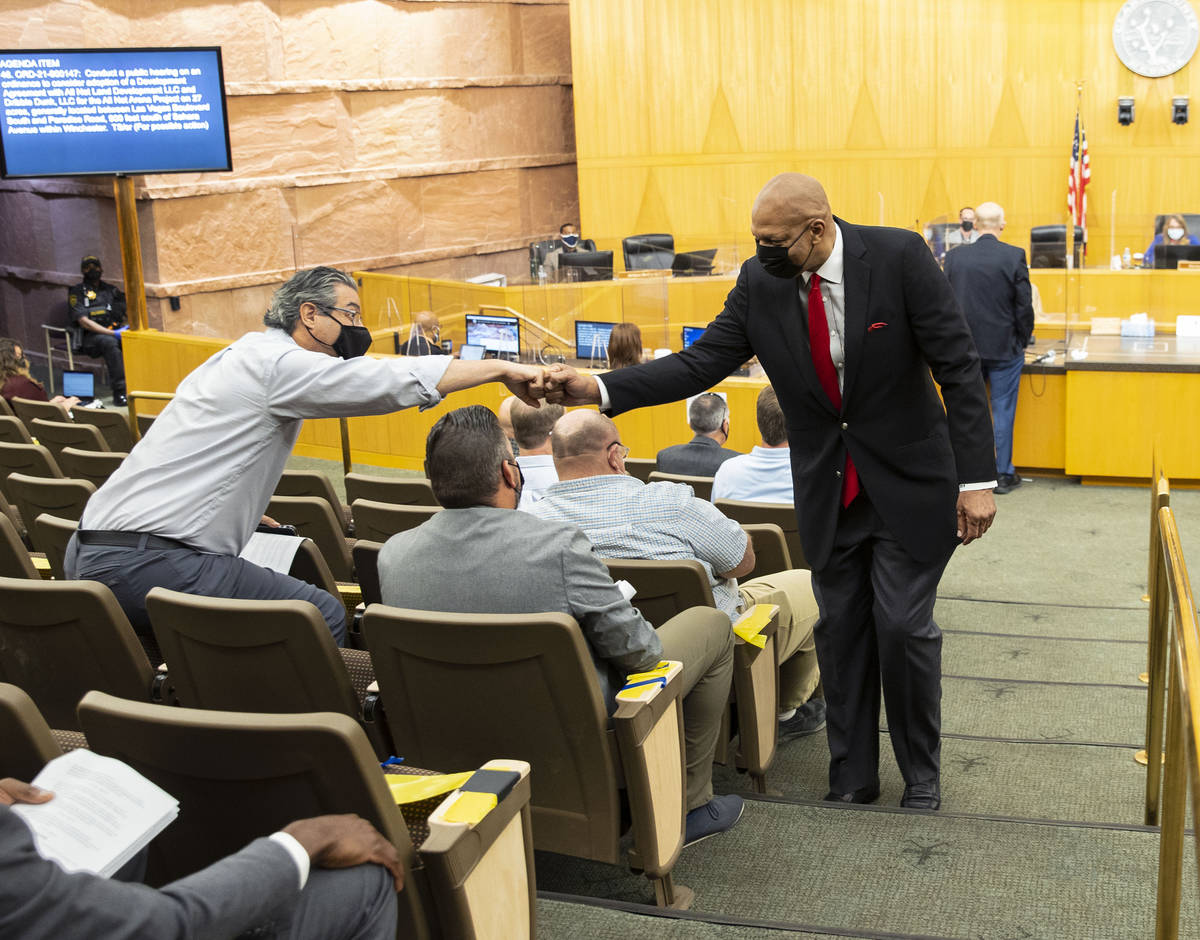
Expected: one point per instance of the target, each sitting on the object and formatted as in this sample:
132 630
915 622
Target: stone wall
432 137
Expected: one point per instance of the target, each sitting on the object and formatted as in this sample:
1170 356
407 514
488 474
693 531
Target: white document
627 590
103 813
276 552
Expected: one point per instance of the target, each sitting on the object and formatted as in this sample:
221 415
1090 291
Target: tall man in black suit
991 281
848 321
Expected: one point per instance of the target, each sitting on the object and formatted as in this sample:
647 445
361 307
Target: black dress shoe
1006 483
861 795
926 795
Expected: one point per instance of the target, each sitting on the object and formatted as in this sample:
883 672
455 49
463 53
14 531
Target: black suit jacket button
837 473
845 426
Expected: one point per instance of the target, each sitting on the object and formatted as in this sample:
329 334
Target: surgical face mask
1174 233
351 341
967 225
775 260
570 240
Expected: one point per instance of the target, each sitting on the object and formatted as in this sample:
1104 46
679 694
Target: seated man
765 474
97 311
568 242
284 885
531 431
425 336
521 564
626 518
708 417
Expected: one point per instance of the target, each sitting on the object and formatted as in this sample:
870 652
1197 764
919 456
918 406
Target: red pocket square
876 326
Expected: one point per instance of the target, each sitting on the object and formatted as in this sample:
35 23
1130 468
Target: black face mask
967 225
351 342
775 260
91 275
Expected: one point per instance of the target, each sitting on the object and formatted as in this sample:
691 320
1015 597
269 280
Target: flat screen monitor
74 112
467 351
693 263
591 339
495 334
1169 256
585 265
691 334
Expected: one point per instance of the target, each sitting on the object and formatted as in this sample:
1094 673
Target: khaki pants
792 591
701 639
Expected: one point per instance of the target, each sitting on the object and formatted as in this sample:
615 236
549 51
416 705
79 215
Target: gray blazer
699 457
38 899
502 561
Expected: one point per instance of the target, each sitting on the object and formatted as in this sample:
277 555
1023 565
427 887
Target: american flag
1078 176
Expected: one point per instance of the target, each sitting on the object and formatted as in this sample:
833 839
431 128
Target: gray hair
315 285
707 413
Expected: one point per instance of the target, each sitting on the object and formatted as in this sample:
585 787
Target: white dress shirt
762 476
540 475
207 468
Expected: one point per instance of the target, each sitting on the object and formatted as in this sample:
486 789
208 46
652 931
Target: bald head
989 217
428 322
582 445
793 193
793 211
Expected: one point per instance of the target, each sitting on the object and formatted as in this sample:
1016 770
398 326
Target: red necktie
818 339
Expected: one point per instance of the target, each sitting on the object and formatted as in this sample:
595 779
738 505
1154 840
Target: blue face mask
570 240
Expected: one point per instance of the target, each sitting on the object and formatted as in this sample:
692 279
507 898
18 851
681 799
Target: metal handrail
1159 621
1182 771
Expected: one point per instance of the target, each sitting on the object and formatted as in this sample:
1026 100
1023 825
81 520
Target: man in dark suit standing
991 281
848 322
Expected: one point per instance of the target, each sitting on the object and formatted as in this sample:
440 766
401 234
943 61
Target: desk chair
14 556
59 434
29 744
111 424
667 588
400 491
461 684
378 522
63 498
13 431
312 483
259 656
27 409
314 519
648 252
701 486
780 514
640 467
95 466
241 775
62 638
30 459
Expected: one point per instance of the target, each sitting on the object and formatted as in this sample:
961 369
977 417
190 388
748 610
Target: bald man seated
626 518
425 335
521 564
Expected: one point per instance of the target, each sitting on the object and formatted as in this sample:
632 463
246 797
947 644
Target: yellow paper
414 789
658 672
469 808
750 626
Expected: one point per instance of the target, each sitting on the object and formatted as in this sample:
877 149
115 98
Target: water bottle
1126 259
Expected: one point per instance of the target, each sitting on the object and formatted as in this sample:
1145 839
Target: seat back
9 511
6 409
63 498
366 566
111 424
378 522
770 549
249 655
457 686
781 514
31 459
59 434
312 483
51 534
400 491
143 424
13 431
643 252
1048 246
14 557
240 775
640 467
701 486
28 742
314 519
58 639
95 466
27 410
664 588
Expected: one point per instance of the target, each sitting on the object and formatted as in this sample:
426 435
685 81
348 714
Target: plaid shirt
626 518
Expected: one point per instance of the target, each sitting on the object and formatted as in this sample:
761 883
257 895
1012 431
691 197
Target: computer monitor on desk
691 334
693 263
585 265
496 334
591 339
1169 256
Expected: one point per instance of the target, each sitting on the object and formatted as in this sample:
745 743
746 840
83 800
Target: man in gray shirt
553 568
184 503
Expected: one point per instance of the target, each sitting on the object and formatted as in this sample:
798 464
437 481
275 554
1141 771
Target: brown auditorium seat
63 498
458 685
95 466
378 522
781 514
403 491
31 459
701 486
27 410
29 743
59 434
312 483
314 518
241 775
770 549
640 467
14 556
13 431
51 534
113 425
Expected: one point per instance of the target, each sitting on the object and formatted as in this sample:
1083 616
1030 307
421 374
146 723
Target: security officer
97 318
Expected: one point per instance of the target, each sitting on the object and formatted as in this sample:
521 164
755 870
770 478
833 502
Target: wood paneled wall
905 109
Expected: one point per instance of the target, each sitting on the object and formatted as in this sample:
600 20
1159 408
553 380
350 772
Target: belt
138 540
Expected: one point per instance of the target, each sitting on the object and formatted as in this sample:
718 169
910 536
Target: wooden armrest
756 687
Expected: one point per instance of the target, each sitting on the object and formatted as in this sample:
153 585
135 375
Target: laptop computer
470 351
81 385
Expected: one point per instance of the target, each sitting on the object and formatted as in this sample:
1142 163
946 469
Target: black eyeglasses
520 472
